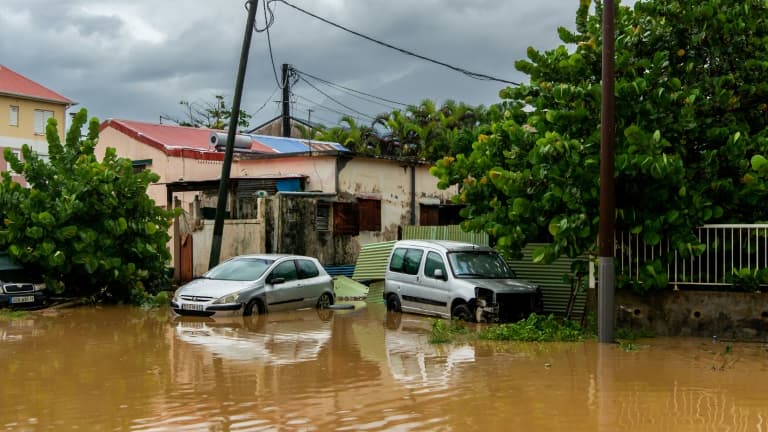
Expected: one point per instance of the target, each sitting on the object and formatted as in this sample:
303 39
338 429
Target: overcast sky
137 59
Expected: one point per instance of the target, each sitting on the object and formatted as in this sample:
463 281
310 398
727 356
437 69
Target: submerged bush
445 331
536 328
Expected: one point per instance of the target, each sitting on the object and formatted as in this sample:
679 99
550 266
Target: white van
456 280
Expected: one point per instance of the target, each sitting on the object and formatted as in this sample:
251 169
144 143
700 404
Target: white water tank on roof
219 140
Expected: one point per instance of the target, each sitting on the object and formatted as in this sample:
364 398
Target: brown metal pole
606 276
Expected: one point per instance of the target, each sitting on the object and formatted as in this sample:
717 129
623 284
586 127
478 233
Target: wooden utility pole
221 206
286 101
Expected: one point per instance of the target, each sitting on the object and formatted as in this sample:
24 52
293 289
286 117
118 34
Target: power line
466 72
341 113
269 19
353 91
331 98
266 101
322 120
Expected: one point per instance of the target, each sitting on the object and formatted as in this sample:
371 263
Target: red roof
176 140
14 84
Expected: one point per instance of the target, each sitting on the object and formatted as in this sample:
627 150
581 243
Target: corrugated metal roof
170 138
293 145
443 232
372 261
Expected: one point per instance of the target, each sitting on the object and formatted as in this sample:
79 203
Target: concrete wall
726 315
320 170
242 236
291 229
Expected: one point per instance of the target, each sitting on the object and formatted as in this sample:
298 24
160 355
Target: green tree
87 226
691 135
214 114
420 131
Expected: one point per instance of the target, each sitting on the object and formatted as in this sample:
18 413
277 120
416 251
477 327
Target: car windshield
239 269
486 265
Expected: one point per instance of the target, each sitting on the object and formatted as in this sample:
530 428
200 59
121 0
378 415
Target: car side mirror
440 275
276 280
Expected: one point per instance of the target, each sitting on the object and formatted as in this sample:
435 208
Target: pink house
295 196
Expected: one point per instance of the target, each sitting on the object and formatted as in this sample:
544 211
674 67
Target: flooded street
123 368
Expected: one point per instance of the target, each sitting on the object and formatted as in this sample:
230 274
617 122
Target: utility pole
311 131
286 101
606 277
218 225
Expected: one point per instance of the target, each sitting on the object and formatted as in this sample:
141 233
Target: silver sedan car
255 284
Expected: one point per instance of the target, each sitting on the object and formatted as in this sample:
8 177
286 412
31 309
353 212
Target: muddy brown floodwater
123 368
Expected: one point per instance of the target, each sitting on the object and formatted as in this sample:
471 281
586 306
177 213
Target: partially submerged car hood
213 287
512 286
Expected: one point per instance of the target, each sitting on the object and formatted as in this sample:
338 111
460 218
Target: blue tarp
288 185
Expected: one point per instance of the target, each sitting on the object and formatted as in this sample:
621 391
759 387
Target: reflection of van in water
414 361
456 280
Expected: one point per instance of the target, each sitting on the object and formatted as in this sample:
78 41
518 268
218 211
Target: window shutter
370 214
345 218
430 216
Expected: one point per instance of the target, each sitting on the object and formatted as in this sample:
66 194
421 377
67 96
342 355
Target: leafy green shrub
443 331
536 328
87 226
745 279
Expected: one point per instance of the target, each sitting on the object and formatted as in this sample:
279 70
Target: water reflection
416 362
277 339
125 368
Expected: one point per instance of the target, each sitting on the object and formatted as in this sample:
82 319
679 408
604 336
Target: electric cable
334 100
341 113
352 91
269 19
266 102
466 72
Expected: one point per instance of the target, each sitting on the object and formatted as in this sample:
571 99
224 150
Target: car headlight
229 298
38 287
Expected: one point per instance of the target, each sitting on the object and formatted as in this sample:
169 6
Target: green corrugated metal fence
443 232
549 277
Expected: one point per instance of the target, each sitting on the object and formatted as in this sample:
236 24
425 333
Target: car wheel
324 301
252 306
462 312
393 303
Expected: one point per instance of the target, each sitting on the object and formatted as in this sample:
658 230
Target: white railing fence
728 248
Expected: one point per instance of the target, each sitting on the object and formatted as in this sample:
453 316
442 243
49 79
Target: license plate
23 299
192 307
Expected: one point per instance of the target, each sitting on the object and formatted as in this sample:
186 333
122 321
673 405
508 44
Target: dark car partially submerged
19 289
